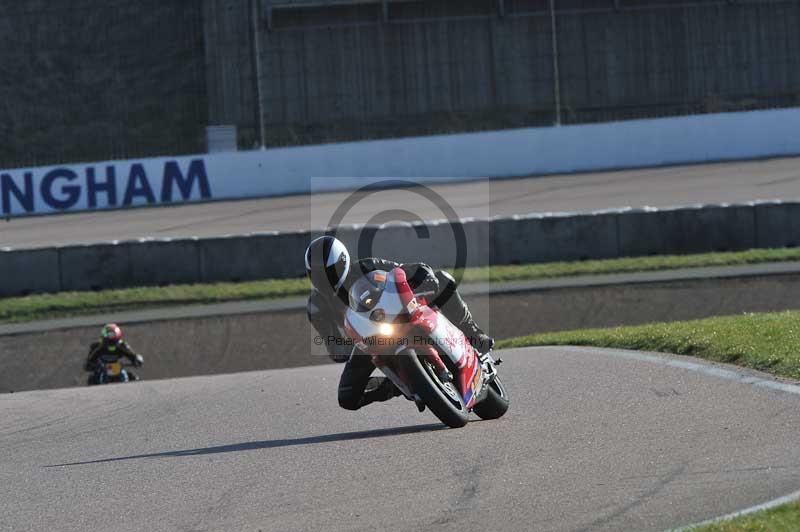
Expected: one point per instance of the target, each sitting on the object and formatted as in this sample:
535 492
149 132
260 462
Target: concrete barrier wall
426 160
502 240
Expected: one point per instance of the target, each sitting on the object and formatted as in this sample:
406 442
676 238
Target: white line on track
753 509
712 371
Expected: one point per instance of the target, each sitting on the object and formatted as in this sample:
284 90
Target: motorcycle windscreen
367 291
379 290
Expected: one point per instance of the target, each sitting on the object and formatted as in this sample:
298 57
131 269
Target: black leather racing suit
326 314
102 351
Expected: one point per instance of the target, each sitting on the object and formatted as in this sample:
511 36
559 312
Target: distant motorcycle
111 368
427 357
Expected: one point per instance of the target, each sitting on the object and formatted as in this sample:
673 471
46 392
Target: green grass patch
784 518
767 342
46 306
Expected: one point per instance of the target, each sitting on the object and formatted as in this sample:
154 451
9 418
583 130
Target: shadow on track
271 444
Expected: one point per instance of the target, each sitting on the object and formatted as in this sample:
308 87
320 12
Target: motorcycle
428 358
111 368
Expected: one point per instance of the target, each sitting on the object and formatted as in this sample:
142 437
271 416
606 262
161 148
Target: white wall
427 159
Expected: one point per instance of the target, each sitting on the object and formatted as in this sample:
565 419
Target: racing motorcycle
111 368
427 357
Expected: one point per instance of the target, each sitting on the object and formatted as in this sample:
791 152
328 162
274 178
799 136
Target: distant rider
112 346
329 268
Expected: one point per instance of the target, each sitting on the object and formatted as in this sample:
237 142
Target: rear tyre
496 402
443 399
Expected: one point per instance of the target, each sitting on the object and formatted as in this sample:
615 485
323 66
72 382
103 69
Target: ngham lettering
102 186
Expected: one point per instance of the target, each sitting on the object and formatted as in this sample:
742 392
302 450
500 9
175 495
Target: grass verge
44 306
784 518
768 342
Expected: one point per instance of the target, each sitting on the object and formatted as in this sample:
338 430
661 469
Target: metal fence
99 80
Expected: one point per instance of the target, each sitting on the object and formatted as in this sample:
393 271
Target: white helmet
327 263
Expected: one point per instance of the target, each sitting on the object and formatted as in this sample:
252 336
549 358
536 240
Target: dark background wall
92 79
650 59
100 79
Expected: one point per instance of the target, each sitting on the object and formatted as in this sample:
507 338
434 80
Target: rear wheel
496 402
442 398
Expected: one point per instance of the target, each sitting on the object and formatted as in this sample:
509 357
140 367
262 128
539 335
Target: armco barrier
554 237
246 258
29 270
163 262
777 224
94 267
502 240
686 230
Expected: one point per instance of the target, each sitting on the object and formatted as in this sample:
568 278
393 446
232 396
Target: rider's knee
447 284
447 288
445 278
348 400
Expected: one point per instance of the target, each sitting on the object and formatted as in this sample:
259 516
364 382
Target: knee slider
348 400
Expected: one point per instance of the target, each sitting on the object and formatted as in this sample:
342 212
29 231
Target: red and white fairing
418 326
452 343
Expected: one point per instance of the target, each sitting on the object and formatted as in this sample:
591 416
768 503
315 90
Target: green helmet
111 333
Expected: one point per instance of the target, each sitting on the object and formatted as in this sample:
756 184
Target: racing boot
380 389
455 309
482 342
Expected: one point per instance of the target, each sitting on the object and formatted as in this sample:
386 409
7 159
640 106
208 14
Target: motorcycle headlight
386 329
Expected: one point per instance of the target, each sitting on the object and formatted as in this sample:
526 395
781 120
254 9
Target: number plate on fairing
113 369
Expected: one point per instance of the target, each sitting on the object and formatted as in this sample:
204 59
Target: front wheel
442 398
496 402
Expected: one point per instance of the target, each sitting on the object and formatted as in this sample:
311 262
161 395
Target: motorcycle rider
328 266
112 344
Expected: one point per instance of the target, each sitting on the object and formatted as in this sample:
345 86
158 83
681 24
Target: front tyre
442 398
496 402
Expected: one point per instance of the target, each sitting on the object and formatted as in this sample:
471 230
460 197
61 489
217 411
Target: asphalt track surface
659 187
594 440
